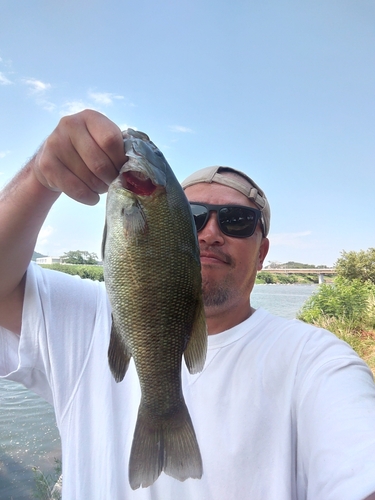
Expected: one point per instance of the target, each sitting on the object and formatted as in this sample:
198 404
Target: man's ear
263 251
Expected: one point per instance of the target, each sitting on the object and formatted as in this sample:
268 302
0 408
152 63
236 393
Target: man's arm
80 158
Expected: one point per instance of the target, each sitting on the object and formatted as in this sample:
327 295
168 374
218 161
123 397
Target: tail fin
168 445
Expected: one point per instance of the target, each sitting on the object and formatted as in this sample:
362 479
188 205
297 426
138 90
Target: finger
54 175
109 137
86 150
97 175
99 143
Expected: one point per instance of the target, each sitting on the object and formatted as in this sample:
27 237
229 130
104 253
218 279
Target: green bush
265 277
346 308
310 278
347 300
287 279
91 272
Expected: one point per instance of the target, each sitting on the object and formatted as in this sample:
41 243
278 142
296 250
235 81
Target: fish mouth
137 182
145 169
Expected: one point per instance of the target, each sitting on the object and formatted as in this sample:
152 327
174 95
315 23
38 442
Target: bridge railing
283 270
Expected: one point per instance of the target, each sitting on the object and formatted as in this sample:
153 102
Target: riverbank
263 277
268 278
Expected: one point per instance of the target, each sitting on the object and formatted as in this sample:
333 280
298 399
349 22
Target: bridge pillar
321 278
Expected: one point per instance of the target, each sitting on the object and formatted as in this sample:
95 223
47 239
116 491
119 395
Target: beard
216 294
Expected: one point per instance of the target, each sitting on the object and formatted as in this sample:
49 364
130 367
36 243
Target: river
29 437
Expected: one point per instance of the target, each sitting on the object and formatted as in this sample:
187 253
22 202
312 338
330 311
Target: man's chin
215 296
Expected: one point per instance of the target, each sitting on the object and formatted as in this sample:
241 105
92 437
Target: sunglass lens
200 216
237 221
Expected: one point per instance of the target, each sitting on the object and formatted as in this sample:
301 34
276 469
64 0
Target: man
281 410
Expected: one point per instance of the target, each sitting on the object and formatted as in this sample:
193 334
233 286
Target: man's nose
211 233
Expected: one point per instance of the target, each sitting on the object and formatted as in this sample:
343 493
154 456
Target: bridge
320 271
305 270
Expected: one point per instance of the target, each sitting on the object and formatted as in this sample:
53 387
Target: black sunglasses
234 220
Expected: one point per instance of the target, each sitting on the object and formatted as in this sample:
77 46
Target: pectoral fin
118 354
195 352
134 219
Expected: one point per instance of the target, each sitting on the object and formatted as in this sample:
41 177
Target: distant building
48 260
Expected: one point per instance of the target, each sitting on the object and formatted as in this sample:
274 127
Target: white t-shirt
281 410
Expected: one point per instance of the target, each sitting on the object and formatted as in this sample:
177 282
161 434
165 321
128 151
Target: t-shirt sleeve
335 415
58 323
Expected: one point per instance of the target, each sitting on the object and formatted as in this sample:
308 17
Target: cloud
3 154
96 100
4 80
105 98
38 89
180 129
296 240
71 107
36 86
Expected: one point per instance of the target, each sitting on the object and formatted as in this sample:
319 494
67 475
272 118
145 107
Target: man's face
229 265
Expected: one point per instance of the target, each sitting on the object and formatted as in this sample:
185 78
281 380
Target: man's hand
81 157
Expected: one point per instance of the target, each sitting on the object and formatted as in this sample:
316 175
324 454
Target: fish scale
152 275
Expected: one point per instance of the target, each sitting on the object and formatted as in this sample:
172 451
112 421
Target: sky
283 90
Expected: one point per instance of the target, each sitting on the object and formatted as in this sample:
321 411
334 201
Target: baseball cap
241 182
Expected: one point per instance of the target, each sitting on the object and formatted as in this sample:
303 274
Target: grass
362 340
44 484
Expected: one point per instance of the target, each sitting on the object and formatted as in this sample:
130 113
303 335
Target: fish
152 274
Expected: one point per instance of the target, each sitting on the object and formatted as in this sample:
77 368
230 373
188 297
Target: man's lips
209 257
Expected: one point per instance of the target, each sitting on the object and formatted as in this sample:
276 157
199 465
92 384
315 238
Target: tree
80 257
273 264
37 255
357 265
